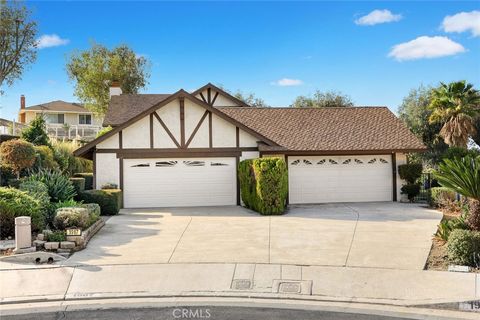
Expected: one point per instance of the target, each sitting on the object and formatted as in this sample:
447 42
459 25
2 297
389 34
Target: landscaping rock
39 243
67 245
40 236
63 250
51 245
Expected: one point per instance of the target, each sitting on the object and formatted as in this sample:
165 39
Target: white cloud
463 21
286 82
426 47
378 16
50 40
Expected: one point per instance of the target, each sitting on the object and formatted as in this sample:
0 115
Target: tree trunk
473 220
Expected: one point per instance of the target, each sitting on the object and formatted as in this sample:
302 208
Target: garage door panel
340 179
179 182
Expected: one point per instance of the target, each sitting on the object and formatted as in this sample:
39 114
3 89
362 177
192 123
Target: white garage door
179 182
340 179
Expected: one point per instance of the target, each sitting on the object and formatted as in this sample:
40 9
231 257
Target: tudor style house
67 120
182 149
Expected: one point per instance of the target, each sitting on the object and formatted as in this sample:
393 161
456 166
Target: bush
104 130
88 179
411 190
59 187
264 184
15 203
52 208
463 247
17 154
78 184
6 174
36 132
458 152
446 226
68 163
439 196
56 236
410 172
39 191
93 212
44 158
74 217
109 200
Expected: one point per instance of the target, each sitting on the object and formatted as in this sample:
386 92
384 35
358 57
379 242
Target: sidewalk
313 283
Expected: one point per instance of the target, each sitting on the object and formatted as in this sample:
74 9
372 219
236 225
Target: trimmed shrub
59 187
56 236
410 172
44 158
57 205
6 174
264 184
109 200
463 247
411 190
17 154
88 176
439 196
93 212
16 203
71 217
78 184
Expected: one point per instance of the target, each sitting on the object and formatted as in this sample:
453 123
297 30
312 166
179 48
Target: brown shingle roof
59 106
329 129
125 106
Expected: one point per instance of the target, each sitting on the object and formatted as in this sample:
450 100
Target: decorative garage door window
165 163
141 165
194 163
218 164
339 160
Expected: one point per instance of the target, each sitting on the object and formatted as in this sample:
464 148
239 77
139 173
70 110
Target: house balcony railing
78 131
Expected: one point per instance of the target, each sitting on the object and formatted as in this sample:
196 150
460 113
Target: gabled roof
58 106
329 129
222 92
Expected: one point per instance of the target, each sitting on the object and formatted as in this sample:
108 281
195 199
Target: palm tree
456 105
463 176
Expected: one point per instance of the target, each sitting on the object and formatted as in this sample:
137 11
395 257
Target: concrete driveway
379 235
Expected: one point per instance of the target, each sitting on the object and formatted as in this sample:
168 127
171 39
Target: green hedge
440 195
463 247
78 183
88 176
410 172
264 184
109 200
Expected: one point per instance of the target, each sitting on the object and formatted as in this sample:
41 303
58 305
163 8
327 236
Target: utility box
23 233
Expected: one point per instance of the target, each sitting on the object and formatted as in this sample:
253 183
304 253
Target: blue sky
252 46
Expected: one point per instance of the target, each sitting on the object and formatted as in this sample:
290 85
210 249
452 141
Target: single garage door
340 179
179 182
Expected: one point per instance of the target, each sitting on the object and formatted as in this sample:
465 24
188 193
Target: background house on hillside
65 120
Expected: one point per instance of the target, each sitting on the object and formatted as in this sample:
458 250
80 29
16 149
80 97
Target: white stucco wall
107 169
224 134
193 115
247 140
223 101
249 155
137 135
401 159
170 115
109 143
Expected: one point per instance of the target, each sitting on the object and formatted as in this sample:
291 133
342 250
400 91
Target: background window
85 119
54 118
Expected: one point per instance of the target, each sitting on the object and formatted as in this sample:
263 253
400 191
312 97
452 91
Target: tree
455 106
323 99
251 99
93 71
36 132
17 154
415 112
18 47
462 175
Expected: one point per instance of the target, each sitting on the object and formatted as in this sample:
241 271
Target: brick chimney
22 109
115 89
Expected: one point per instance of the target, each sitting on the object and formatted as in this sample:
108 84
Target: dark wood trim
120 140
199 124
210 130
94 169
179 154
121 172
164 126
288 181
394 176
203 97
331 153
237 161
134 150
209 95
151 130
182 122
214 98
237 134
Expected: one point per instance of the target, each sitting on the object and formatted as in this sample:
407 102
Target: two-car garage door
179 182
340 179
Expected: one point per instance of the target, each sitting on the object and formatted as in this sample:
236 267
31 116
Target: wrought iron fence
426 182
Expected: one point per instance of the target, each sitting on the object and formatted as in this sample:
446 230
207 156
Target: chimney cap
115 84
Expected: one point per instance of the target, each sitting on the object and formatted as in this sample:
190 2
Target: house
63 119
182 149
8 127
